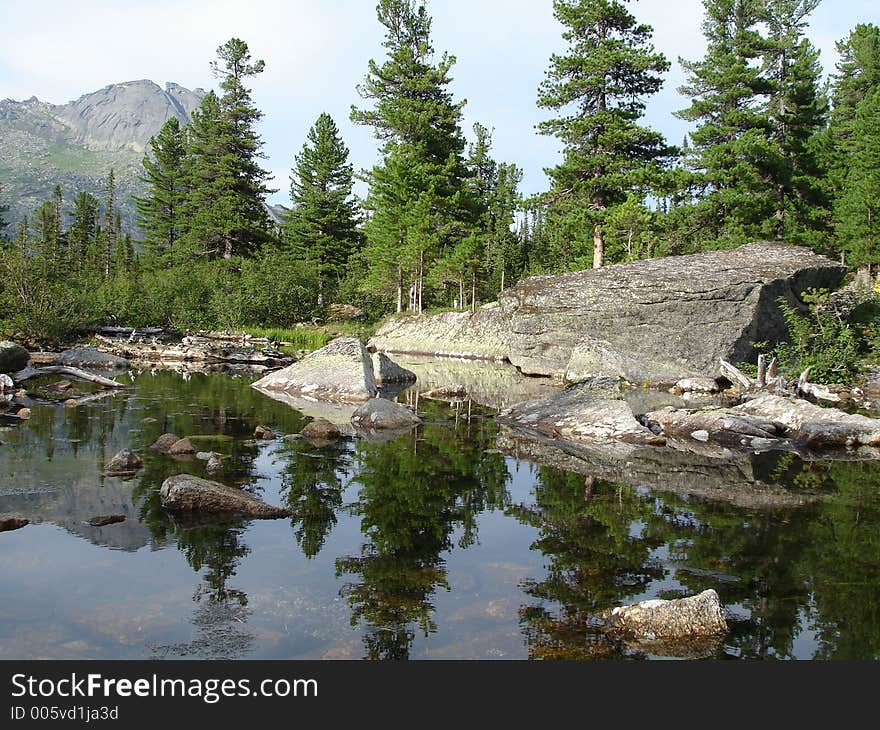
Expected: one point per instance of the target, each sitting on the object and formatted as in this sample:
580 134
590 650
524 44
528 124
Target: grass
300 338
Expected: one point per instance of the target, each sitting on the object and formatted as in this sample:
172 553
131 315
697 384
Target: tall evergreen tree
227 187
418 199
798 109
82 234
109 232
160 212
599 86
322 226
732 154
4 209
857 209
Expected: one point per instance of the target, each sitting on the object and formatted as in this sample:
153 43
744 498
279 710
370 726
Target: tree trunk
598 248
473 292
399 290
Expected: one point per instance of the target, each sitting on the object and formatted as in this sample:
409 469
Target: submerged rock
654 321
13 357
384 415
185 493
104 520
444 392
661 621
124 463
321 430
342 372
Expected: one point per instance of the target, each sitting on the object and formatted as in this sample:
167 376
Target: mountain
76 144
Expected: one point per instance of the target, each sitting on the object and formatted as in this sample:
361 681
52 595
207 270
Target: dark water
431 545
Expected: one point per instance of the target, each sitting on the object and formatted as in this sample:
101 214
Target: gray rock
592 411
185 493
447 392
214 464
124 463
654 321
13 357
387 371
164 443
89 357
182 447
384 415
262 433
340 372
660 621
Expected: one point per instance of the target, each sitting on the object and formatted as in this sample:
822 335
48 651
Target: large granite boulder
654 321
13 357
388 372
340 372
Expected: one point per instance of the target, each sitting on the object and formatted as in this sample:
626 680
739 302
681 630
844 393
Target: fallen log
31 372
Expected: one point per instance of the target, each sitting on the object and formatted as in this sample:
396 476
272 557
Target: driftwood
32 372
770 381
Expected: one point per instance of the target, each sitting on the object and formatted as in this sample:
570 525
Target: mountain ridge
77 143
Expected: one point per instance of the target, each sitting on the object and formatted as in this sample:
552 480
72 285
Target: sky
316 54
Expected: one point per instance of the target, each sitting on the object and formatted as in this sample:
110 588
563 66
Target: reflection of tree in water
415 491
221 611
599 554
313 489
783 570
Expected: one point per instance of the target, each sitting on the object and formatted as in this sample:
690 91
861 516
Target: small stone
165 442
186 493
321 429
71 403
182 447
702 436
261 433
24 414
125 462
214 464
379 414
103 520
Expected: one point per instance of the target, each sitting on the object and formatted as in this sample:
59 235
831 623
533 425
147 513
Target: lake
453 541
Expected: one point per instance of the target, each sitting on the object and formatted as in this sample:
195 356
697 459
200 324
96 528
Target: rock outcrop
654 321
340 372
185 493
592 411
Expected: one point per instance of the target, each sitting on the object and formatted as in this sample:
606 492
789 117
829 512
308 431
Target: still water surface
430 545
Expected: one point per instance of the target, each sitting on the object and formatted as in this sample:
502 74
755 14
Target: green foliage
599 87
419 201
822 340
322 226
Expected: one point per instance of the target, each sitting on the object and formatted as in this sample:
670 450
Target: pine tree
4 209
160 212
322 226
82 234
418 199
732 156
798 110
857 210
227 187
599 86
109 232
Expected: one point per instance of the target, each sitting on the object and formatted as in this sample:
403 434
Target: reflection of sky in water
541 563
